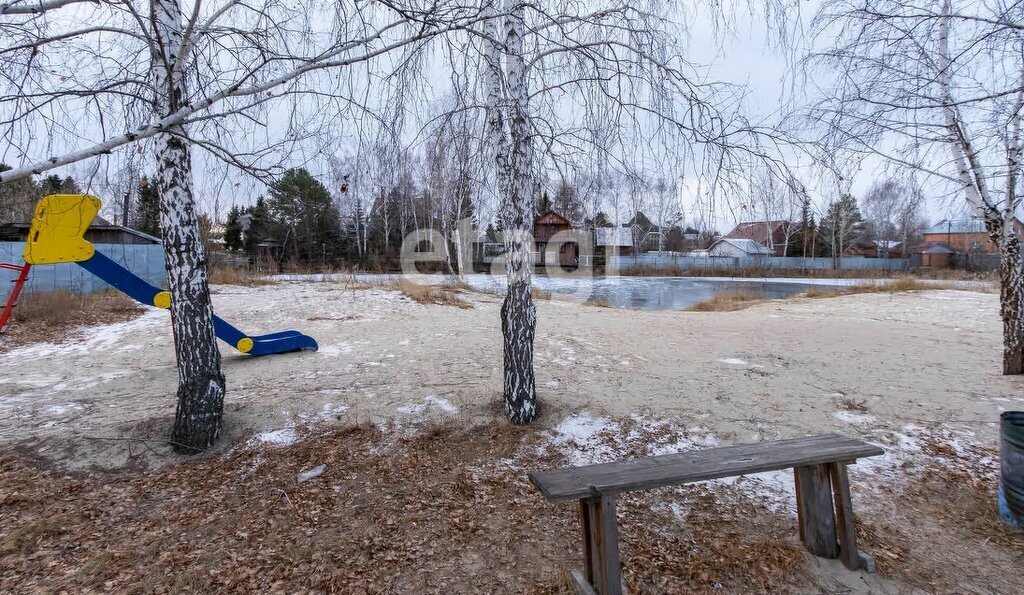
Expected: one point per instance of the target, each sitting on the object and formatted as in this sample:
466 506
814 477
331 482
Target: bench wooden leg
602 568
852 558
814 510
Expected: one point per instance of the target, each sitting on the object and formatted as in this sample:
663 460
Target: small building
766 233
967 235
544 229
612 240
737 248
100 232
864 248
931 255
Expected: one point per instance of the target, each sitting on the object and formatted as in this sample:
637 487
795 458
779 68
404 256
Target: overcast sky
742 56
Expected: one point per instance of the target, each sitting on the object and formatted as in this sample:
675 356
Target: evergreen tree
601 219
233 230
842 225
53 184
568 203
261 226
304 207
544 204
17 199
147 209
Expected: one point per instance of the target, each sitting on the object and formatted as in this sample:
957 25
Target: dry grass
54 316
441 295
727 301
893 286
949 498
430 513
937 274
848 403
235 276
539 294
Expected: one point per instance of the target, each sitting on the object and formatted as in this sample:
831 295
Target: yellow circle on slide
244 345
162 300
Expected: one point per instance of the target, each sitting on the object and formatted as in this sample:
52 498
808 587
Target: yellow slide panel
58 225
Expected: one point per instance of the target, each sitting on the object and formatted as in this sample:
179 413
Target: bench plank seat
824 511
687 467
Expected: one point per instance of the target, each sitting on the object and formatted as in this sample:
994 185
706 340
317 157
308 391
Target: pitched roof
972 225
748 246
552 218
613 236
758 231
97 227
931 248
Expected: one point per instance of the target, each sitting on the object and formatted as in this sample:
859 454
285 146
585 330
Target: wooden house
544 229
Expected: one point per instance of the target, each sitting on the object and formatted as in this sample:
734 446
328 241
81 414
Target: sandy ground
859 364
917 373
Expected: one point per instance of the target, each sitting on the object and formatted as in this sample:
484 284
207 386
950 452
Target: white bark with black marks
999 222
201 385
508 134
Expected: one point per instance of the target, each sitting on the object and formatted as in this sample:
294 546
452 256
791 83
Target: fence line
687 263
145 260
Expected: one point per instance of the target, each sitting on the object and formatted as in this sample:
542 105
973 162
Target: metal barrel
1011 468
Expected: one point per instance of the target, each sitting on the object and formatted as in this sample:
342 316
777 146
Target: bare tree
779 199
564 83
892 207
909 92
215 74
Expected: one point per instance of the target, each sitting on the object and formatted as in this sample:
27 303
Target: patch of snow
775 489
276 438
327 411
311 473
336 349
733 361
428 403
851 417
62 409
584 438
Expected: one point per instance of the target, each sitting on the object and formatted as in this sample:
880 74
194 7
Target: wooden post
848 552
816 516
590 559
603 569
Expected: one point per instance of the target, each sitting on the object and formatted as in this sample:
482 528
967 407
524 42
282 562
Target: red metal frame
12 299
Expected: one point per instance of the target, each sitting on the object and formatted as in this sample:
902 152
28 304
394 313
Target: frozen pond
648 293
660 293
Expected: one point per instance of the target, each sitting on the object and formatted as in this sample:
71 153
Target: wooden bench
822 495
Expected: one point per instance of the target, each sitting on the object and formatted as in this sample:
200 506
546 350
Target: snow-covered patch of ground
94 339
275 438
428 404
732 361
585 438
854 418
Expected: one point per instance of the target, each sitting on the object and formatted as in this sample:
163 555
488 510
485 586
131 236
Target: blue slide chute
141 291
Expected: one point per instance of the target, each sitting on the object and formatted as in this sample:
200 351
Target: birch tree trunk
998 222
511 145
201 387
1011 289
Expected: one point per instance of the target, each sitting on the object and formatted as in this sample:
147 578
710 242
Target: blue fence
689 263
145 260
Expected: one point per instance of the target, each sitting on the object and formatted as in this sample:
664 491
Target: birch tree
76 85
936 87
566 83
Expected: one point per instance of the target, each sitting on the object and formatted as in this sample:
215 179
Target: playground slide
57 235
138 289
